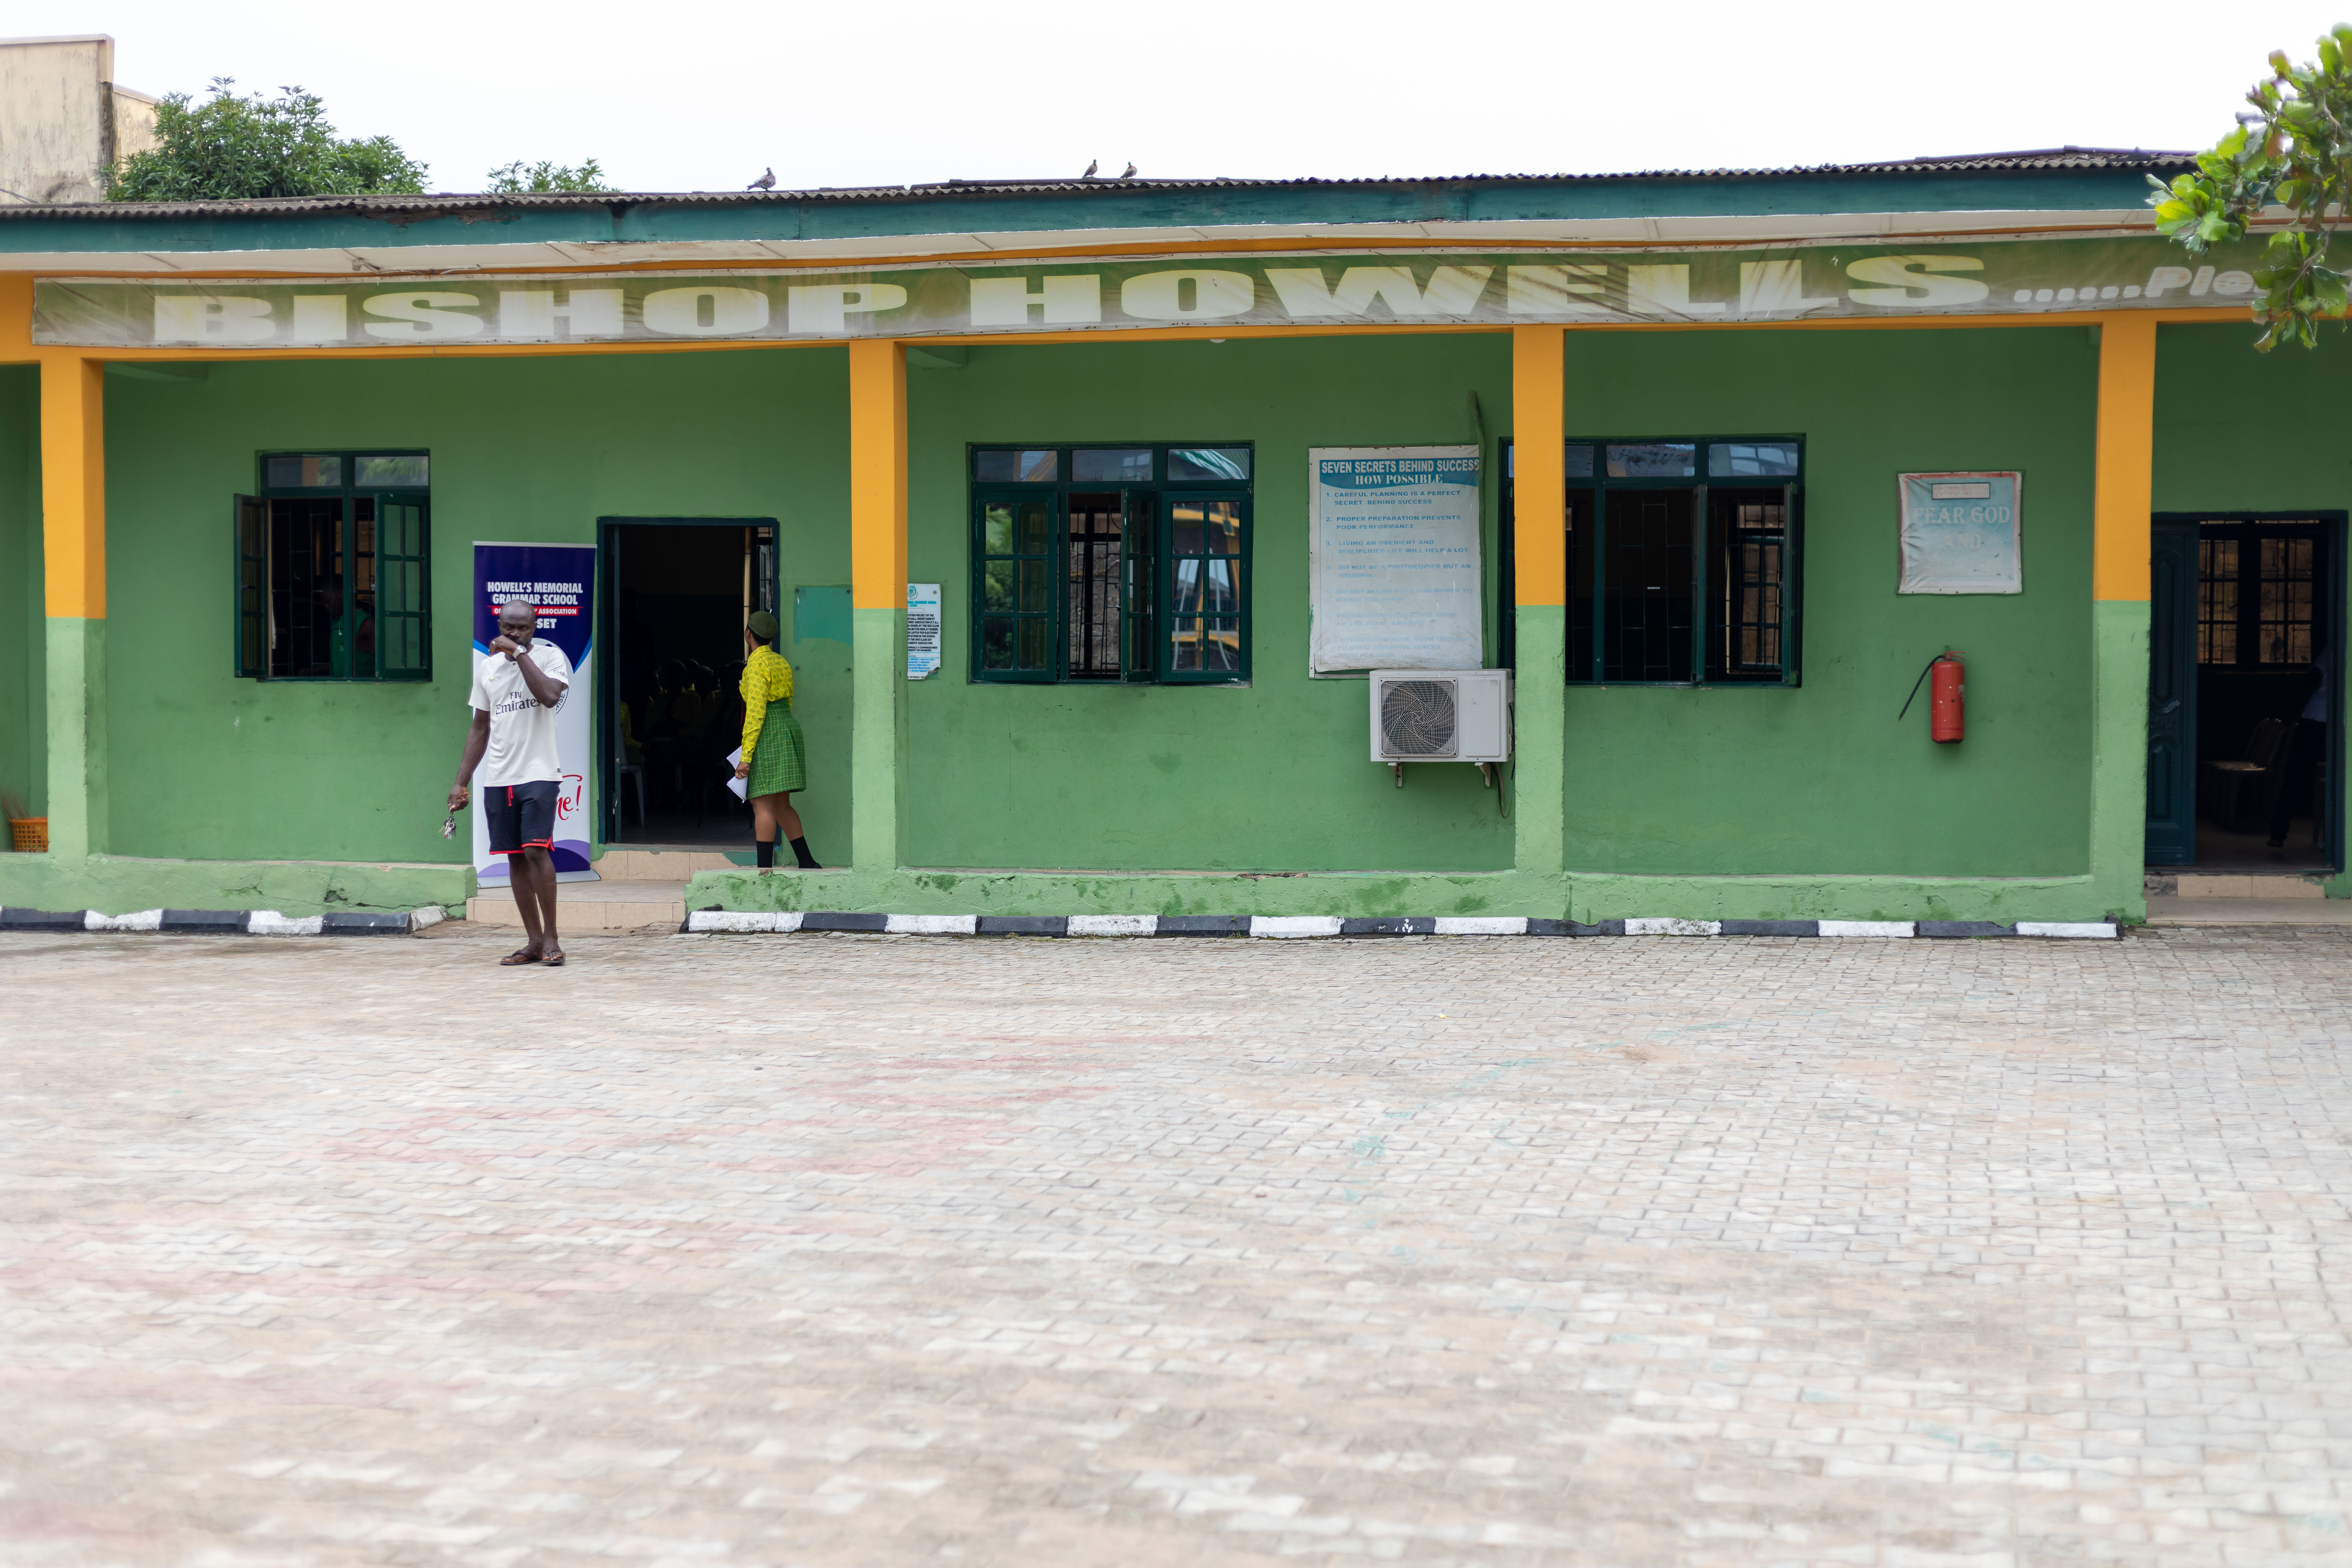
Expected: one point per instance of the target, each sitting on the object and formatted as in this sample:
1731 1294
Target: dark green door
2172 695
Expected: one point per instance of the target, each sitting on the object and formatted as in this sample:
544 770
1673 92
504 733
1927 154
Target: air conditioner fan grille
1417 719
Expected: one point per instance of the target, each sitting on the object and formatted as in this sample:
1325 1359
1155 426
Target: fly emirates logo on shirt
524 741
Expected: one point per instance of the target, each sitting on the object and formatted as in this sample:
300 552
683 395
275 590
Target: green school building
1731 456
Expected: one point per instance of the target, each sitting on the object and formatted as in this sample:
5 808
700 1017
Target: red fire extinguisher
1946 698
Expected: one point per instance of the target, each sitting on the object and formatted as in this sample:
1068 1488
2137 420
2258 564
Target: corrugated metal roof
2052 160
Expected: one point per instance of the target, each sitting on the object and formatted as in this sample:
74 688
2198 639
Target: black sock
808 861
765 848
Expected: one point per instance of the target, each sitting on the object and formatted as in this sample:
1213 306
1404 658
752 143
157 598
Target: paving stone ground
713 1252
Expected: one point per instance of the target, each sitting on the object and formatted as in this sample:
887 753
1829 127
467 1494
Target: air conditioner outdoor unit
1441 716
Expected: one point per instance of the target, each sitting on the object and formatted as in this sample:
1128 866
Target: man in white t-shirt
510 753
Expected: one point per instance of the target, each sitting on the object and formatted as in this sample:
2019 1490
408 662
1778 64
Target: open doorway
2245 752
677 593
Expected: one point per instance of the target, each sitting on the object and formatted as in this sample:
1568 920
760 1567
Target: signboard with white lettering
1392 566
1961 533
1824 279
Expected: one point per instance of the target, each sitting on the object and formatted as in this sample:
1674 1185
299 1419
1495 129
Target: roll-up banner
561 579
1596 284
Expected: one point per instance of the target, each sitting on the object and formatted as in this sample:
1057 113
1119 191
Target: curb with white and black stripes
229 922
745 922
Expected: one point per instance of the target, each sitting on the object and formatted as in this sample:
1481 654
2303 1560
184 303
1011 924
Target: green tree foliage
2295 151
229 147
522 179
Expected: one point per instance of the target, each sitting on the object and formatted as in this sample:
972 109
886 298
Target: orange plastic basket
30 835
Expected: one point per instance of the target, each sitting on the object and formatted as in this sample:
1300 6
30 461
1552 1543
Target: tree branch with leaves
2293 153
527 179
229 148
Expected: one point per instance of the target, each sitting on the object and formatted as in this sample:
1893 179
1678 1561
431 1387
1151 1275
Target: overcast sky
703 97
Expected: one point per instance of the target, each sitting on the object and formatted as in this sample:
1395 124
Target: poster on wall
561 579
1961 533
922 630
1393 558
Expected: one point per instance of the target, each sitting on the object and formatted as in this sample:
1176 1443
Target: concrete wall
22 720
1270 776
527 449
1820 778
62 120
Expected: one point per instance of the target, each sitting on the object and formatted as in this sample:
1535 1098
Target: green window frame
1111 563
332 557
1685 560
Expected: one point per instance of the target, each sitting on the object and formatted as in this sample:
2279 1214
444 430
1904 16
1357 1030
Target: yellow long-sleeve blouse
767 678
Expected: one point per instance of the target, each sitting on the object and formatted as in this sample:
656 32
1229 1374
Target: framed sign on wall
1393 577
1960 533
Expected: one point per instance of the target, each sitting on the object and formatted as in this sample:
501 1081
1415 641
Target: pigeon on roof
1092 164
766 182
1130 170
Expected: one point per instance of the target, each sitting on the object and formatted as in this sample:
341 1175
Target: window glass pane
1185 522
1187 650
1209 463
1221 646
2217 600
2286 584
996 643
1122 463
1645 629
306 588
1188 587
1224 529
1224 586
996 530
1036 523
1036 577
996 585
312 471
1033 642
1653 461
389 473
1580 460
1029 467
1751 459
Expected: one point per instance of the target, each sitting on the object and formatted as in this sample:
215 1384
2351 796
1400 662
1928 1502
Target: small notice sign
922 629
1961 533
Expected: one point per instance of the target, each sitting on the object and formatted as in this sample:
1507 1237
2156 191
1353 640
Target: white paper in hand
734 760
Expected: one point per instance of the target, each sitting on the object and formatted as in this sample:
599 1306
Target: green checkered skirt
780 761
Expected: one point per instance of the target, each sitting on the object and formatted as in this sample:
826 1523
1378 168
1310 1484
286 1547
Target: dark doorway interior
678 593
2256 625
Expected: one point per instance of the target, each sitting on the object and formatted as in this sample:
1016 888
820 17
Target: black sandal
518 958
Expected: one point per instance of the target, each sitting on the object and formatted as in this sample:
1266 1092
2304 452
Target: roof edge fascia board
1792 231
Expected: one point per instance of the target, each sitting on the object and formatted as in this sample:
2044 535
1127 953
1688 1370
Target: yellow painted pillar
877 554
2124 499
73 546
1540 589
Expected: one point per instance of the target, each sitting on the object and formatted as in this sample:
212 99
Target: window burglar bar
333 569
1676 576
2258 595
1151 545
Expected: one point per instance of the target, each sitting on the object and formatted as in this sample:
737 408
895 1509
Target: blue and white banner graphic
561 579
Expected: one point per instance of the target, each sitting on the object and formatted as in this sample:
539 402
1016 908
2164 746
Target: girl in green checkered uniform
775 755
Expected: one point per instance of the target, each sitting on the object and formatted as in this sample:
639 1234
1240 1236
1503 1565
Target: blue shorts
521 816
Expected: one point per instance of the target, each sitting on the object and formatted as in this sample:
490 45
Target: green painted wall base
1578 897
122 885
